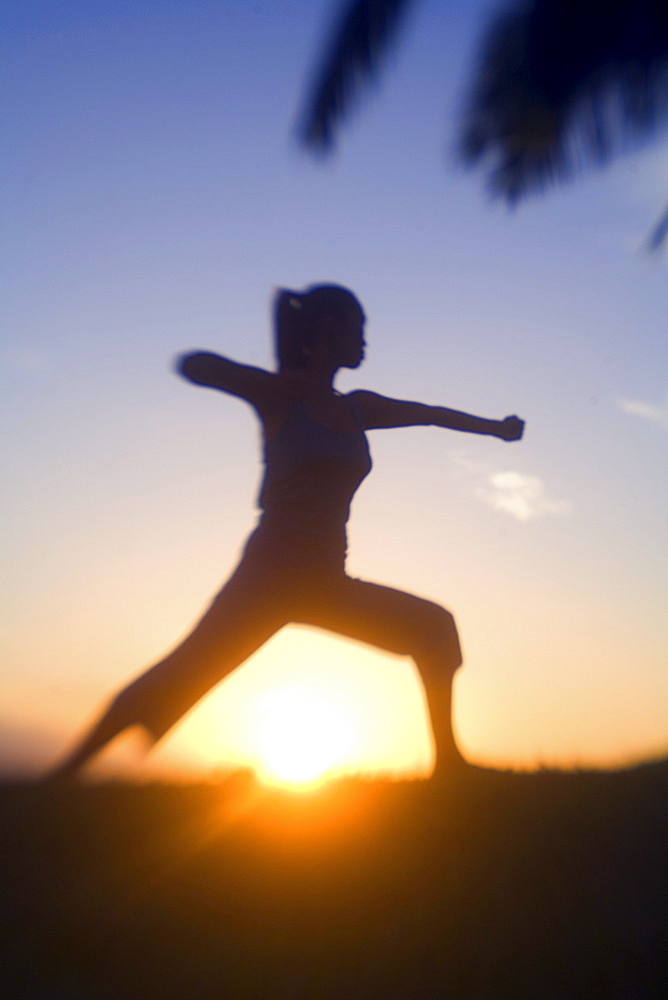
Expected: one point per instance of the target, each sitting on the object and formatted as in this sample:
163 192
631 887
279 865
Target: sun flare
302 736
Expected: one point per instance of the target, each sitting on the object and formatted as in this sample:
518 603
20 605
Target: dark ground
544 886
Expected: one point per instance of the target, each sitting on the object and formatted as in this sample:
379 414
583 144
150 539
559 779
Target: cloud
658 414
523 497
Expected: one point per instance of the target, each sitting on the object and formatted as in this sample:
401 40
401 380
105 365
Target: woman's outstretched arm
217 372
262 389
380 411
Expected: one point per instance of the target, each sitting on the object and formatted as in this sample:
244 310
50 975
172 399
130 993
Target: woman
292 569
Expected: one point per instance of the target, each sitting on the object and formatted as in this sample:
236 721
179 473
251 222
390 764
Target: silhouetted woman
292 568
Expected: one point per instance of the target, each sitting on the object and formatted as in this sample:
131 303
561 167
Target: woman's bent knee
440 640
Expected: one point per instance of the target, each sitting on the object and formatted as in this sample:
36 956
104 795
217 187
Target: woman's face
346 338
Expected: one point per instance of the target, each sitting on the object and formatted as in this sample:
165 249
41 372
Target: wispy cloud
658 414
522 496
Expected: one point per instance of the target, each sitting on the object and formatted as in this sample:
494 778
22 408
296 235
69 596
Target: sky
154 195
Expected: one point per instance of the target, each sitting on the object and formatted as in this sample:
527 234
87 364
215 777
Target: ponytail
290 330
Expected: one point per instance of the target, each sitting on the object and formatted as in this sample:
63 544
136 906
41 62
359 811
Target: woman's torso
312 471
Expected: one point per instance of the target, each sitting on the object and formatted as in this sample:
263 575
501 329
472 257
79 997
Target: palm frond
352 60
562 85
657 238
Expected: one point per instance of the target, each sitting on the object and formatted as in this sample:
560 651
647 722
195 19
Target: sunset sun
302 736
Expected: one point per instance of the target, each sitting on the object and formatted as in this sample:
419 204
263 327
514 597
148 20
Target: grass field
544 886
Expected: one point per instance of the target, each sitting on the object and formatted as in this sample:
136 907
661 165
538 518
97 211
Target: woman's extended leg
411 626
244 615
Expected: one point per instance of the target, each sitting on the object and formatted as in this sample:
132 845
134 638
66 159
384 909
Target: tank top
311 475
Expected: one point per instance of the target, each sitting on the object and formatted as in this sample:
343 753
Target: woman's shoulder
286 391
363 402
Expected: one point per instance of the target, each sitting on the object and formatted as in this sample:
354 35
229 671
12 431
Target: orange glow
307 707
301 735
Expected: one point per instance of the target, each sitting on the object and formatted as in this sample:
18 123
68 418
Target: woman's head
323 317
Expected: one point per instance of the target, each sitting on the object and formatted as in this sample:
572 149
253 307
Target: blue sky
153 196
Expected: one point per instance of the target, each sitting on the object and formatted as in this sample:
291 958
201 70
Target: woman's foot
449 767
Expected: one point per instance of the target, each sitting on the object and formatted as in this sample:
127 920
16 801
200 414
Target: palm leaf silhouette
351 61
658 235
562 85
